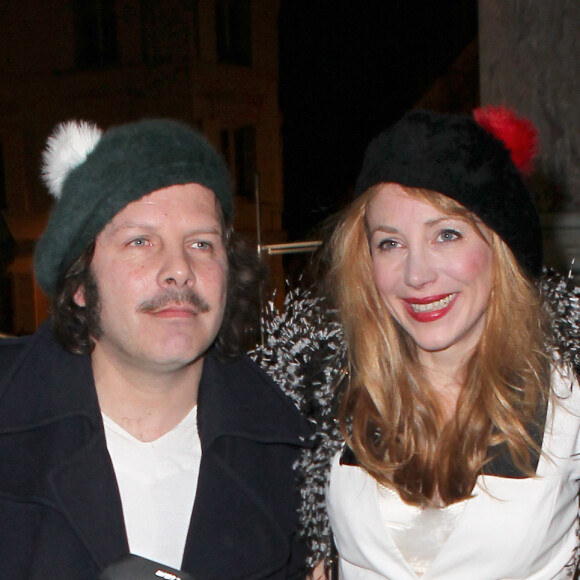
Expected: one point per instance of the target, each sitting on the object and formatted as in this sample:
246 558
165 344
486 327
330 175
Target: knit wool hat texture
454 156
128 162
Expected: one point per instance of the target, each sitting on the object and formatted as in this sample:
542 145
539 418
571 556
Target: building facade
211 63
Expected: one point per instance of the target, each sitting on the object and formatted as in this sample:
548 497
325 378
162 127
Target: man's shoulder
244 363
11 348
242 369
11 345
37 358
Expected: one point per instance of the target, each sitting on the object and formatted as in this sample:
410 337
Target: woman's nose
419 269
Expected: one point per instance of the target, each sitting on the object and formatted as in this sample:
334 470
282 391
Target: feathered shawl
305 353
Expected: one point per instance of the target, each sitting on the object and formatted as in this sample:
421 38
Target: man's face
161 271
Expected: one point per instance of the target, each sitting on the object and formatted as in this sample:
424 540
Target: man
123 428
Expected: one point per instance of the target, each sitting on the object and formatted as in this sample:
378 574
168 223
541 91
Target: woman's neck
444 372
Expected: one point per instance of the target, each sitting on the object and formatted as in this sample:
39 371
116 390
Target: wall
530 60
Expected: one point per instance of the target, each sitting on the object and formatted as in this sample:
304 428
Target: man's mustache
171 296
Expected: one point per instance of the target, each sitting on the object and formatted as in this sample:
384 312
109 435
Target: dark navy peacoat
60 509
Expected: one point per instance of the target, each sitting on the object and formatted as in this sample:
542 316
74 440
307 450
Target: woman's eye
201 245
449 235
388 244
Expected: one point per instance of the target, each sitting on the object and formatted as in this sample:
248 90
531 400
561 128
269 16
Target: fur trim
517 133
561 300
67 147
304 352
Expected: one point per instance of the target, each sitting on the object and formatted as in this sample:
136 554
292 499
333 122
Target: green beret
95 175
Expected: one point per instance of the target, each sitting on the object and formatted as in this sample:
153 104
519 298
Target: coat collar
226 389
239 399
499 460
67 384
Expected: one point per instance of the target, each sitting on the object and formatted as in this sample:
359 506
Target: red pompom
518 134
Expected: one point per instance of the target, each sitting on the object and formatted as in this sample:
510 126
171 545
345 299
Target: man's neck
147 404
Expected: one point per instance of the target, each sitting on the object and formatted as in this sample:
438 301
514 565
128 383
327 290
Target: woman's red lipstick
429 308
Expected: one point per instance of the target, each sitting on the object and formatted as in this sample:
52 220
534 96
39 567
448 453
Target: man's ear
79 297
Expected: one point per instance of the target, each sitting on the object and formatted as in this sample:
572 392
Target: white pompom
66 149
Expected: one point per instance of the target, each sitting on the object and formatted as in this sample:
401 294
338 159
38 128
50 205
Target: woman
460 408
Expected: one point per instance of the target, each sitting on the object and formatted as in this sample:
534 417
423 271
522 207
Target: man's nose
176 269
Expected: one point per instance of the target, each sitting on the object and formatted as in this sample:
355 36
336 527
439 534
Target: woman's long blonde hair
389 414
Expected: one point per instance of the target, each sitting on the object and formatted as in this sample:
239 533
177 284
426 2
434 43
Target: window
233 31
169 31
96 34
239 149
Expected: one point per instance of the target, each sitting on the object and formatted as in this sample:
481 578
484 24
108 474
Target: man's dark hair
77 327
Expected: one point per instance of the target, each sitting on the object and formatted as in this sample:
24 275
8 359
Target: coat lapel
231 536
240 400
86 491
239 406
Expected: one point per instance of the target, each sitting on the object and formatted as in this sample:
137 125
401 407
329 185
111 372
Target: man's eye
139 242
201 245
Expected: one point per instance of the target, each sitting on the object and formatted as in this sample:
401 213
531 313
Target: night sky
348 70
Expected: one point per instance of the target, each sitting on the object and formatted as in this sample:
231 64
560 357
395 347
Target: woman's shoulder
561 302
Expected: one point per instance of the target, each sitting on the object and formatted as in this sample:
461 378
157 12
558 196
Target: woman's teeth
437 305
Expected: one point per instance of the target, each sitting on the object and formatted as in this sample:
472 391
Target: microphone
132 567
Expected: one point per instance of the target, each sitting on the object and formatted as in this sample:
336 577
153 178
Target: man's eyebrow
130 225
114 228
119 228
215 231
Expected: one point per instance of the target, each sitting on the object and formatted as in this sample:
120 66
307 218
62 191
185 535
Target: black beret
455 156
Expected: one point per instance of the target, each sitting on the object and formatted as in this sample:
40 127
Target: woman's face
432 269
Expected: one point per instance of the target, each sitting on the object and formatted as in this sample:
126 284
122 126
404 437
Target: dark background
348 70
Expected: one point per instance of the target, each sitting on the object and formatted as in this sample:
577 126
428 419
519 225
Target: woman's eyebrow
386 229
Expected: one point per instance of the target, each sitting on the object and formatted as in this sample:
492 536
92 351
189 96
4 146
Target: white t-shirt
157 482
511 528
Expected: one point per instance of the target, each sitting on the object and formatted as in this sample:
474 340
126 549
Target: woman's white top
419 533
157 482
511 528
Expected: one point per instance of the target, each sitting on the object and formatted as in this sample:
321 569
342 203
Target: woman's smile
431 308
